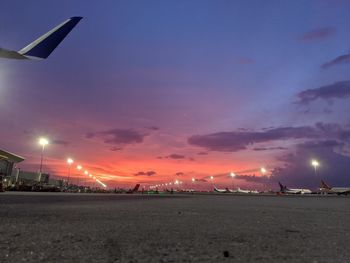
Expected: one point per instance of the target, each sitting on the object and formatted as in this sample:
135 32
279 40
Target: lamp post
70 162
86 179
43 142
211 179
79 167
263 171
233 175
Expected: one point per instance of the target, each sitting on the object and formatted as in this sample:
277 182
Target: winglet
42 47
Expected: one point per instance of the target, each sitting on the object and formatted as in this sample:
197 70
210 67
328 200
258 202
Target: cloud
321 144
118 136
202 153
115 149
176 156
317 34
253 178
147 173
179 173
60 142
337 90
268 148
152 128
172 156
236 140
338 60
201 180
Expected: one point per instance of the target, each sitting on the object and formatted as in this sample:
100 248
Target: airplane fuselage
298 191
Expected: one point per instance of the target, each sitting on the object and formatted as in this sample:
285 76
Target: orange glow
120 169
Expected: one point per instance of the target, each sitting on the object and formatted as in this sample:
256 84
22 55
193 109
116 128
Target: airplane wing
42 47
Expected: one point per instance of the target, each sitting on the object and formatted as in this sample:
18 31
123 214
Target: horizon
151 92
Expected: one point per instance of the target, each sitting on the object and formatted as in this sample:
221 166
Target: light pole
211 179
79 167
233 175
315 164
43 142
70 162
263 171
86 179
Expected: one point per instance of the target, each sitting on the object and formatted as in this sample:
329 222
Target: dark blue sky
139 82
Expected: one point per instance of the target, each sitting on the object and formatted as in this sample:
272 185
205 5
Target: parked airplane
42 47
238 191
286 190
226 190
325 188
241 191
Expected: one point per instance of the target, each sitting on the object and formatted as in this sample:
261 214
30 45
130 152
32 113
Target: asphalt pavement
61 227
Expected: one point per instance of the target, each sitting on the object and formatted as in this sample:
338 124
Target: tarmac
62 227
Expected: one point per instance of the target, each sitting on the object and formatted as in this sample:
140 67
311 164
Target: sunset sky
153 91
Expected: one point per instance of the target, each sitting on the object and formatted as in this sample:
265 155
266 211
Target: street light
79 167
43 142
233 175
70 162
315 164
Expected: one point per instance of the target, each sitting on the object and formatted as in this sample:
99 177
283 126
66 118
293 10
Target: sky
155 91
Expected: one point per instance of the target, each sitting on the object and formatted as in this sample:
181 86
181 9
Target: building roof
10 156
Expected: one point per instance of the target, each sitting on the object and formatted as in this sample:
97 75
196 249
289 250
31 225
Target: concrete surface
59 227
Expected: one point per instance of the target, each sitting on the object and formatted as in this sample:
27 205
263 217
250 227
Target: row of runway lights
177 182
79 168
263 170
170 184
44 142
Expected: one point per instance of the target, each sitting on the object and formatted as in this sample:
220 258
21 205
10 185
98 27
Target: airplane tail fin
136 188
42 47
282 187
324 185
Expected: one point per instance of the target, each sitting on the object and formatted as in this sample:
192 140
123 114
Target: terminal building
7 163
11 175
